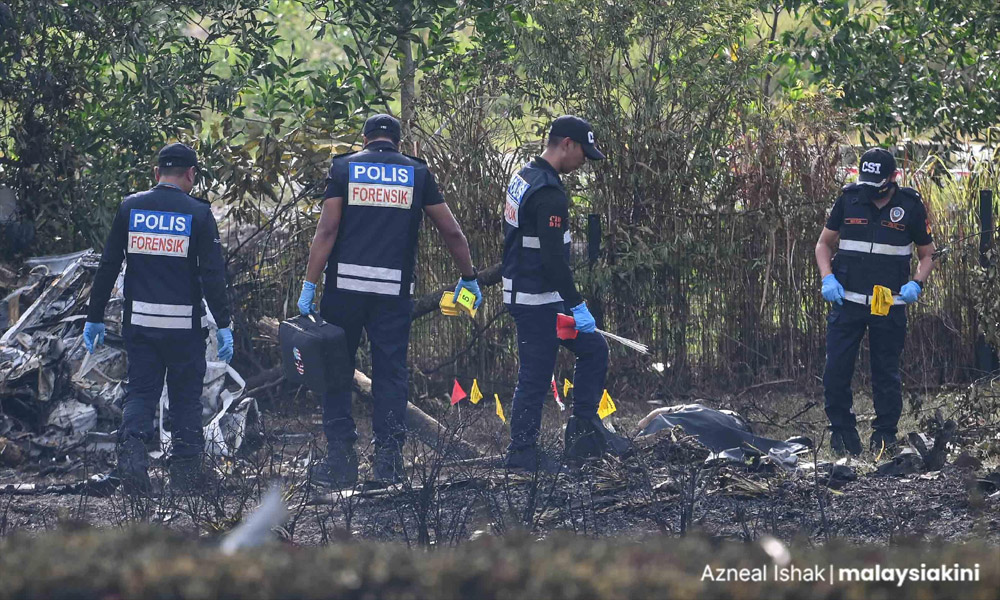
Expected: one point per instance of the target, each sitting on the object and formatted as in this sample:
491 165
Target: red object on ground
566 327
457 393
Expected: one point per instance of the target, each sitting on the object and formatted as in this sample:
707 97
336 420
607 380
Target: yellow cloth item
607 405
881 300
475 395
499 408
567 386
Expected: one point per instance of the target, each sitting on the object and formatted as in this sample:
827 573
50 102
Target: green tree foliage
89 89
905 66
412 35
706 187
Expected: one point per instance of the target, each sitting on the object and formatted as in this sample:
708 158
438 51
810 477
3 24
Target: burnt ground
665 487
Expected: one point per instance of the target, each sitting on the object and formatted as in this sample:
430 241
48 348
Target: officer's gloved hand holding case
832 290
305 302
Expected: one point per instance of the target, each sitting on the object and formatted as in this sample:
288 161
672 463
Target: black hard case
314 354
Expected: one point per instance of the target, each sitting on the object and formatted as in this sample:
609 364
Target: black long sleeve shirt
549 208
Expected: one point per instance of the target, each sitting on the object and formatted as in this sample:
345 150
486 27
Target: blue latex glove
225 338
472 286
910 292
306 305
832 290
585 322
93 335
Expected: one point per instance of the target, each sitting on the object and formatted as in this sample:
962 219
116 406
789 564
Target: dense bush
147 563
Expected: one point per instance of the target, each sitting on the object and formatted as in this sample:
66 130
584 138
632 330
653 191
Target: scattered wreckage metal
55 395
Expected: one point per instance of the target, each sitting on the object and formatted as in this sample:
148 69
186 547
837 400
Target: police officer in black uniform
537 285
170 242
366 240
870 237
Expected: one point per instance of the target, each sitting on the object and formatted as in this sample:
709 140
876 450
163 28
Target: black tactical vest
377 241
524 280
162 287
875 245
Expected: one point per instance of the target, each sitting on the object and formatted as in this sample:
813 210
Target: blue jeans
180 356
537 346
846 326
387 321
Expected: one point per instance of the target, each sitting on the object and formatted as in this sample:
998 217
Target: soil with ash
665 487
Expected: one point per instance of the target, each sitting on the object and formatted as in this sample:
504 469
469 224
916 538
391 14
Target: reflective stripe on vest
874 248
867 300
388 281
352 270
164 310
164 322
163 316
526 299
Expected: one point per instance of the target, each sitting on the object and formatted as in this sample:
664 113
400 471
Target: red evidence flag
457 393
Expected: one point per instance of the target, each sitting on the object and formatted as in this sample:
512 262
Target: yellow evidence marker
466 303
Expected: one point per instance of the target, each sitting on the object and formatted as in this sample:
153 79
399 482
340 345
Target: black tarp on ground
725 433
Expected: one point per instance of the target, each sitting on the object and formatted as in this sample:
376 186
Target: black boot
133 467
882 444
845 441
587 438
387 468
339 470
185 474
531 458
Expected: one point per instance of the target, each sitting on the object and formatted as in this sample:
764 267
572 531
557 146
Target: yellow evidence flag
475 395
607 405
500 408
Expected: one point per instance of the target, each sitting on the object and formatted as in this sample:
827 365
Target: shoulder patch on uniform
850 187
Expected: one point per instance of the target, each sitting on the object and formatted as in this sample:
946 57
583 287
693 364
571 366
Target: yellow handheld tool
466 303
881 300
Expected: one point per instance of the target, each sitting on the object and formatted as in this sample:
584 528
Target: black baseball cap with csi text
177 155
876 171
383 125
578 130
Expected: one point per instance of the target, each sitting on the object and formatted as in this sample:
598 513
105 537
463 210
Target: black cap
578 130
383 126
876 171
177 155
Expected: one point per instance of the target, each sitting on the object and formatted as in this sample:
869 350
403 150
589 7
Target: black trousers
537 348
180 357
846 326
387 321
